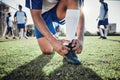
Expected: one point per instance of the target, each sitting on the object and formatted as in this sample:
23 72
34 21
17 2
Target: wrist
52 39
80 40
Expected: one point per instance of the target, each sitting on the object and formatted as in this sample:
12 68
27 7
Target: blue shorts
105 22
19 26
50 18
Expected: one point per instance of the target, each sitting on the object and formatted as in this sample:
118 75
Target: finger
78 52
61 52
64 51
66 48
75 48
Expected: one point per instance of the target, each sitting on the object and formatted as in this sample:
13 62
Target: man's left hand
78 45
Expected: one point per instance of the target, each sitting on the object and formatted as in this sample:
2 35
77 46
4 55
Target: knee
98 27
47 51
105 27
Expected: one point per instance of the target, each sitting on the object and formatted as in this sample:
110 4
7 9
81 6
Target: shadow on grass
73 72
33 71
30 71
114 40
8 40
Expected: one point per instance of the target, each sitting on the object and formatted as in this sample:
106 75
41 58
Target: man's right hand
59 47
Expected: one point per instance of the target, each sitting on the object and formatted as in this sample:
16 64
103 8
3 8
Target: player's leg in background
100 31
19 33
12 33
105 31
6 34
24 34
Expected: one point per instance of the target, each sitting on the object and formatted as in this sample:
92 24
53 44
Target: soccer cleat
100 37
14 37
104 38
6 37
71 57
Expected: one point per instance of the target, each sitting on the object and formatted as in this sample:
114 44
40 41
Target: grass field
22 60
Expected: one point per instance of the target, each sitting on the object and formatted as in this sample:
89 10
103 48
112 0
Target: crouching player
46 13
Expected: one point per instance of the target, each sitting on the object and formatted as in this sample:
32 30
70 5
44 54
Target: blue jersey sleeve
34 4
105 6
15 14
25 14
81 3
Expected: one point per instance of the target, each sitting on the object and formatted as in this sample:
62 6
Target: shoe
71 57
14 38
104 38
101 37
6 37
20 38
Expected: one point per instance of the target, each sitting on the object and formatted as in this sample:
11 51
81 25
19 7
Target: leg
100 31
68 9
105 31
6 35
45 46
20 30
64 5
11 31
12 34
24 30
19 33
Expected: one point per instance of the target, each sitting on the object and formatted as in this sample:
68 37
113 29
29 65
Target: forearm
15 19
41 26
26 20
80 28
7 24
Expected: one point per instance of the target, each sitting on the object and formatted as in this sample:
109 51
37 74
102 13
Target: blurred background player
21 18
9 26
47 12
103 19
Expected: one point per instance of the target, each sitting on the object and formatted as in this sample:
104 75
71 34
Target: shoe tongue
70 46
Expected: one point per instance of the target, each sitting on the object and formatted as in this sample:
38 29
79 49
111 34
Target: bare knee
98 27
45 46
105 27
47 51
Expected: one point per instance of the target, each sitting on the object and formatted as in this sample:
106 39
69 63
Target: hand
59 47
78 45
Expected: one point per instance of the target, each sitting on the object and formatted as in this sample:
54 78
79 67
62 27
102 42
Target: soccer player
103 19
46 13
9 26
21 19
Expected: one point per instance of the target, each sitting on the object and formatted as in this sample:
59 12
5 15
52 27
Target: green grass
23 60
